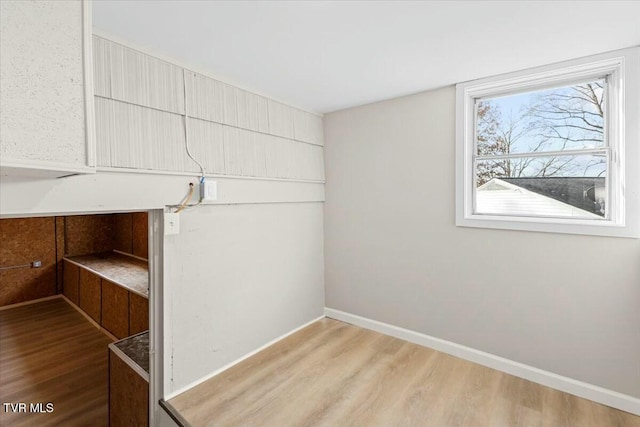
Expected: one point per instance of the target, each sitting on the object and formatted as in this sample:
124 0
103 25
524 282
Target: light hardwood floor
335 374
50 353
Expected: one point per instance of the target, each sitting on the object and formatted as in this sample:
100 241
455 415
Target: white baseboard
181 390
568 385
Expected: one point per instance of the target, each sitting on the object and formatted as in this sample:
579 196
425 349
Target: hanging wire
186 131
185 202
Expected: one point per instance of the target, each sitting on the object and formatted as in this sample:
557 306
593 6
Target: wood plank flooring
50 353
335 374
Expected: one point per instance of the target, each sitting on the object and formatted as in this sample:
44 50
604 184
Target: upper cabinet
46 88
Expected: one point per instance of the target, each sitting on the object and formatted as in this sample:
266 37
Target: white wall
567 304
240 276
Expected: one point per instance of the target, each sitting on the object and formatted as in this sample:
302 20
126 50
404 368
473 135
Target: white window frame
622 69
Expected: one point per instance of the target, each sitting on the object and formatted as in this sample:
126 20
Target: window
552 149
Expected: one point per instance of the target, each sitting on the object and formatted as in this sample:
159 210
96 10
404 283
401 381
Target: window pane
553 186
565 118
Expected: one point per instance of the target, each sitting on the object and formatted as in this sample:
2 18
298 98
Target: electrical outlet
171 224
36 264
209 191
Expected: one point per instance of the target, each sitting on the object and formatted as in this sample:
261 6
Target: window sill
549 225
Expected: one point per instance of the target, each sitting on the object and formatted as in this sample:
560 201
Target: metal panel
289 159
207 145
230 110
257 154
144 80
251 154
262 105
140 138
309 162
280 119
316 129
231 150
231 131
273 157
307 127
205 97
301 125
101 67
248 108
104 127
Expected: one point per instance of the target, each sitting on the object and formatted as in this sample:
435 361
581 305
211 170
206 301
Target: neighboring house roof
570 190
498 196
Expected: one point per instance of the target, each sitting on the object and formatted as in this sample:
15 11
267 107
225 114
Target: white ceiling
328 55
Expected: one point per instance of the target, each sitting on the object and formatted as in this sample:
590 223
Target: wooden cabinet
70 279
131 234
138 314
128 395
123 232
90 294
115 309
141 234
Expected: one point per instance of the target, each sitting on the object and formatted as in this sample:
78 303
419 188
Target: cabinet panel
138 314
47 96
59 230
90 294
128 395
123 232
71 275
141 234
115 309
24 240
88 234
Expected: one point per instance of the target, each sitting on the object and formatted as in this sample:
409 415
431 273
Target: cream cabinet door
46 88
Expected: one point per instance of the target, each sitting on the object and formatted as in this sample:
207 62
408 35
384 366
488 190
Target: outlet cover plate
209 191
171 223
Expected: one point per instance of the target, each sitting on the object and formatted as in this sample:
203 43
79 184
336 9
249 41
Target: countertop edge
129 361
102 275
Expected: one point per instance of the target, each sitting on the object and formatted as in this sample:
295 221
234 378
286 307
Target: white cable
186 132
